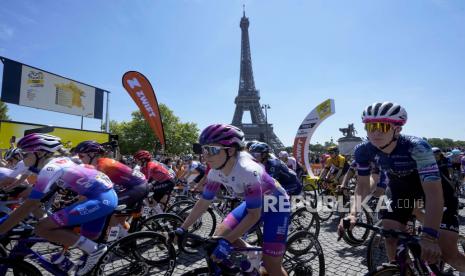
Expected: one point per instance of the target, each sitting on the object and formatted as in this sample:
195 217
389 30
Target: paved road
340 258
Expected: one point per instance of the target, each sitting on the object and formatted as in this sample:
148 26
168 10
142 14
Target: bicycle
137 252
304 256
408 253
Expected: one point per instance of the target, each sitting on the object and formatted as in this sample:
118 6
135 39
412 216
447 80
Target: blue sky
303 52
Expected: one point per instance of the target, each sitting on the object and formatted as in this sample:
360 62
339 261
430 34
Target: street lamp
266 107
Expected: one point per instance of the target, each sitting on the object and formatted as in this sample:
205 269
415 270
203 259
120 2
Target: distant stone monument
348 142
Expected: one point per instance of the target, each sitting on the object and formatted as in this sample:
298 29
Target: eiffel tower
249 98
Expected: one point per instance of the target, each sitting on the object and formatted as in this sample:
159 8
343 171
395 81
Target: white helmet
283 154
385 112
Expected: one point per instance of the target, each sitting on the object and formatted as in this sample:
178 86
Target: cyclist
19 173
96 189
161 181
222 147
248 144
130 185
276 168
288 160
193 168
443 162
455 159
335 166
412 172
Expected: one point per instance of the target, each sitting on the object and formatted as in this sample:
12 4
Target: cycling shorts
275 226
404 198
161 189
133 195
90 214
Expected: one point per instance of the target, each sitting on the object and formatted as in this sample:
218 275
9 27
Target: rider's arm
19 214
431 183
199 208
362 159
434 203
7 181
202 204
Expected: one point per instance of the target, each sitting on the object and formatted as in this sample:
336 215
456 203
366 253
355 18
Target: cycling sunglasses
212 150
381 127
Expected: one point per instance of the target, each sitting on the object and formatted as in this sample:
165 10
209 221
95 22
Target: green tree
137 134
3 111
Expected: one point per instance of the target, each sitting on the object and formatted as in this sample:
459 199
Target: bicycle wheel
162 224
303 219
376 252
141 253
358 235
390 270
304 252
18 268
204 226
201 271
176 207
325 209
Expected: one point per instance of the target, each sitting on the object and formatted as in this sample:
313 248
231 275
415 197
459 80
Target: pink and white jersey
83 180
292 163
248 180
5 173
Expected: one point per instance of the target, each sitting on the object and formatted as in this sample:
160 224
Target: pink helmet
226 135
387 112
40 142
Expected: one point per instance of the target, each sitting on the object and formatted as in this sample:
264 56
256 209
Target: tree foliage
137 134
446 143
3 111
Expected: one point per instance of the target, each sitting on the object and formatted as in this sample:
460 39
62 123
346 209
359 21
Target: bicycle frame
23 249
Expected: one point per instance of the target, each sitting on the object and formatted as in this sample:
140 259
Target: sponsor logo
307 126
146 104
324 109
308 120
50 169
35 79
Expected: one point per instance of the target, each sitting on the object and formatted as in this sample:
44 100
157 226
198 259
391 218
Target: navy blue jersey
412 155
286 177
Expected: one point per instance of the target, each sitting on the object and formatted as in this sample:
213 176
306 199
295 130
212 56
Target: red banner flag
141 91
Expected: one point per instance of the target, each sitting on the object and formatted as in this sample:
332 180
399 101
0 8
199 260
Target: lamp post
266 107
82 119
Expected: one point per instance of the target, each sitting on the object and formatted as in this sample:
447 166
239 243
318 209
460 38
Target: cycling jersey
5 173
121 175
130 185
89 214
20 169
339 162
291 163
285 176
68 175
154 171
250 181
410 164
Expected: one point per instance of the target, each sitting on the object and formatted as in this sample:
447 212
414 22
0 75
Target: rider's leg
273 265
50 230
450 253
